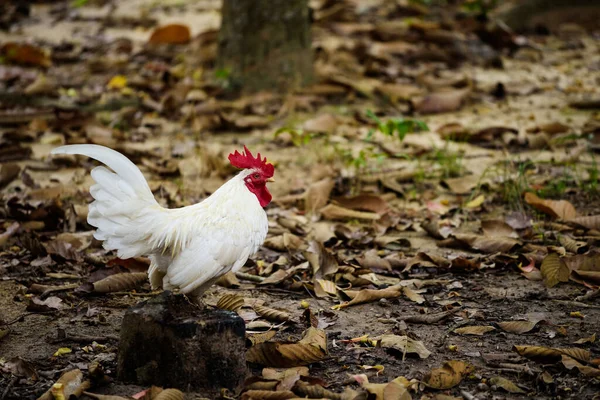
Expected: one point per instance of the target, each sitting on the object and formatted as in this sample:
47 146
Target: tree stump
167 341
265 44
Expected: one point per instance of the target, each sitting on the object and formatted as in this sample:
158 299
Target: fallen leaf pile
434 227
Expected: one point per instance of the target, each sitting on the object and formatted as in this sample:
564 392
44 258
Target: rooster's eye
256 176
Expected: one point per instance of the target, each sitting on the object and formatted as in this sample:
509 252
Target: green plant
429 3
512 188
223 77
398 127
450 162
556 187
592 185
298 136
360 161
78 3
482 7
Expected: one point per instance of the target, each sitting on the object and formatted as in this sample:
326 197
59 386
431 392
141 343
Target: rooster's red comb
247 160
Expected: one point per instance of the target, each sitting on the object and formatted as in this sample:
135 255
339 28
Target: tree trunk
265 44
529 14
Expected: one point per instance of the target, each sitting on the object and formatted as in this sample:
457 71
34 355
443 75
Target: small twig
275 290
592 294
519 368
84 339
10 385
26 315
45 290
249 277
134 294
576 304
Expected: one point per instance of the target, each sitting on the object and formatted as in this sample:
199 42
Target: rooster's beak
271 180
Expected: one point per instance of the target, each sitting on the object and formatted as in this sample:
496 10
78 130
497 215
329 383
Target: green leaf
403 130
422 125
374 117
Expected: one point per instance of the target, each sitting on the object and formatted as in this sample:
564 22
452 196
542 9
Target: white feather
190 247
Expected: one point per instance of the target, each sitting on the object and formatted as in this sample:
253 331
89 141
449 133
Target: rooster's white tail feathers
123 202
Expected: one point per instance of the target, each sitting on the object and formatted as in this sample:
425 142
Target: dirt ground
440 216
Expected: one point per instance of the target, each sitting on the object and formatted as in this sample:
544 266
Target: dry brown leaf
10 231
170 34
577 353
589 221
584 262
591 339
72 385
433 228
169 394
506 384
448 376
474 330
286 241
412 295
333 212
454 131
229 280
271 314
398 91
487 244
21 368
49 304
364 202
8 172
257 338
25 54
317 195
387 391
589 276
325 288
324 123
287 378
120 282
554 270
440 102
425 260
323 263
68 246
268 395
275 278
553 128
572 245
556 208
498 228
104 396
369 295
430 318
370 259
531 272
312 348
305 390
230 302
279 374
463 184
570 363
540 354
404 344
517 326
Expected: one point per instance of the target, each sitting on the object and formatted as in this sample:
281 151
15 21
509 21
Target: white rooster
189 247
